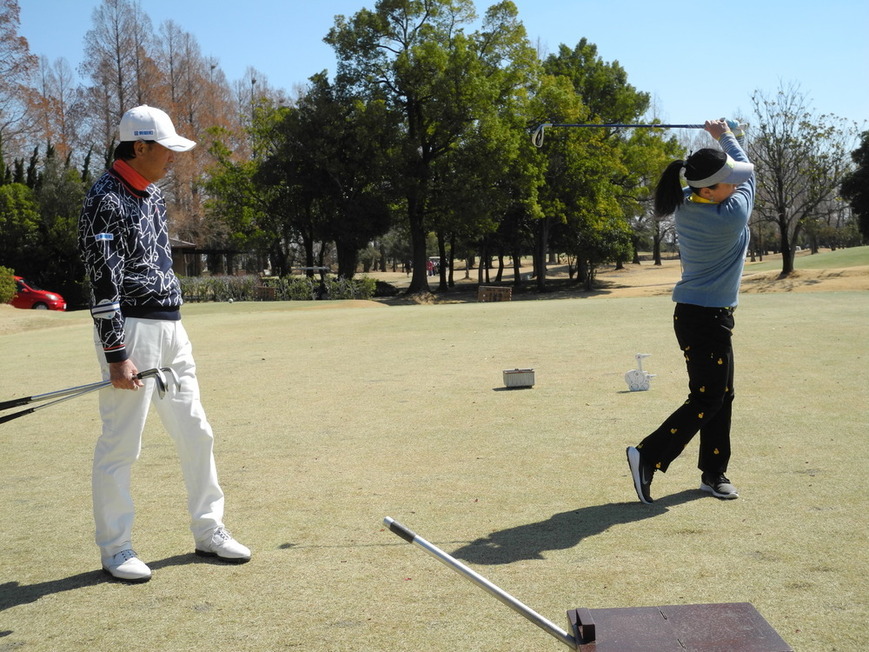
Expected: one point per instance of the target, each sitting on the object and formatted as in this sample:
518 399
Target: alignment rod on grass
546 625
537 136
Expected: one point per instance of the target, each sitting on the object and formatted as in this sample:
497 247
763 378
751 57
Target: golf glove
737 128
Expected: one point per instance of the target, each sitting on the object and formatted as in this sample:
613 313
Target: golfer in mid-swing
712 227
135 304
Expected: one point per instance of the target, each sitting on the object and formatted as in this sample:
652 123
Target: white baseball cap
147 123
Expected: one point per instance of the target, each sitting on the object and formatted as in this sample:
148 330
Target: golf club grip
15 415
85 389
399 529
15 402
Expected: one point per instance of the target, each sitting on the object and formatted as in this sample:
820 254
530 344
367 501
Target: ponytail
668 193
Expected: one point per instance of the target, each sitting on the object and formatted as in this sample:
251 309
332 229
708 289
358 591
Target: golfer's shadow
13 594
564 530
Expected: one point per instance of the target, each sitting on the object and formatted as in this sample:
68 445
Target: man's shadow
13 594
564 530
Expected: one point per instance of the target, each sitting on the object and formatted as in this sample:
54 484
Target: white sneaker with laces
224 547
127 566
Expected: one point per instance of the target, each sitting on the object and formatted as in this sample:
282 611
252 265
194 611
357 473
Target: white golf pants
153 344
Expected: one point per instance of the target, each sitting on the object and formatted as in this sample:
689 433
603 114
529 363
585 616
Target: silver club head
175 379
158 377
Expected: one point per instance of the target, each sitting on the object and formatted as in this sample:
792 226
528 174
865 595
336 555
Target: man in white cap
135 304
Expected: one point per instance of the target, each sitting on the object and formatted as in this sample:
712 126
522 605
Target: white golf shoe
127 566
224 547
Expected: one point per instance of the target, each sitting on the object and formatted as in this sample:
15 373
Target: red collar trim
130 176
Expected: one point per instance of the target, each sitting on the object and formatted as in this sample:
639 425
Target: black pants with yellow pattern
704 335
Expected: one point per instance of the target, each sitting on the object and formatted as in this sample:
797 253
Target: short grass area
838 259
327 420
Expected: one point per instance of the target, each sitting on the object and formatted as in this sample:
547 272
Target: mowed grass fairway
330 416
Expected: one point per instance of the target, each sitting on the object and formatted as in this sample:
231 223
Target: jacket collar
132 179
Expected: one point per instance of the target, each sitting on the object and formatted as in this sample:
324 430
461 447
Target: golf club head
158 377
175 380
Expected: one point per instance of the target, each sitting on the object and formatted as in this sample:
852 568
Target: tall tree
119 64
602 86
484 191
54 109
801 160
237 210
597 180
327 163
644 155
59 196
855 186
197 99
5 171
17 65
439 79
640 154
19 224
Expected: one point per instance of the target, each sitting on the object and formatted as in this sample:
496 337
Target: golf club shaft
5 405
617 125
517 606
537 135
74 392
87 389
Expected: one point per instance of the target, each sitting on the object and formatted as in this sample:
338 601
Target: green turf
839 259
327 420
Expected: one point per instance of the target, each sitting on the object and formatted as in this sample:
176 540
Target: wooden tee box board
725 627
488 293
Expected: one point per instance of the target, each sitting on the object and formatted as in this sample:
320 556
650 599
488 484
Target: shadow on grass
564 530
13 594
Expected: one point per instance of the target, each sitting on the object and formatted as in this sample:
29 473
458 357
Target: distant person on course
711 217
135 304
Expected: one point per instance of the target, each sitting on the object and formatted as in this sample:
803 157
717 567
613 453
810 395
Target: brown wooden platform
727 627
488 293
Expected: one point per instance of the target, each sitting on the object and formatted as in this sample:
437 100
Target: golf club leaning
61 395
537 134
546 625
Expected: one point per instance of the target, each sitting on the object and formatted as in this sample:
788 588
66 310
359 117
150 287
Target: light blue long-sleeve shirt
713 241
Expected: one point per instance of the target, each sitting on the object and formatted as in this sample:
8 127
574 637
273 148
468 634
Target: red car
30 296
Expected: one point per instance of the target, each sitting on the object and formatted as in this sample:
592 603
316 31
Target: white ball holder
637 379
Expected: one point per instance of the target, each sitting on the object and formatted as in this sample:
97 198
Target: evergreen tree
439 80
855 187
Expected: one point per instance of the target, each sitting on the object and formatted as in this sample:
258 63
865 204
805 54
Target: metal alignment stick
546 625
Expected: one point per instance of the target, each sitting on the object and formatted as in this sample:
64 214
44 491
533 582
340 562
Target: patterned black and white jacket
124 243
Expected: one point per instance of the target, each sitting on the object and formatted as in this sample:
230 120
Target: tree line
418 147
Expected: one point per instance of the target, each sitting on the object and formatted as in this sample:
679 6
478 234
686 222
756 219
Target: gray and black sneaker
718 485
641 473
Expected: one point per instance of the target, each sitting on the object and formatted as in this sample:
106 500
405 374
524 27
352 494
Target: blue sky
696 64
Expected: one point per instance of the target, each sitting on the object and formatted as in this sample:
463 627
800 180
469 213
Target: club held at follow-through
537 132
